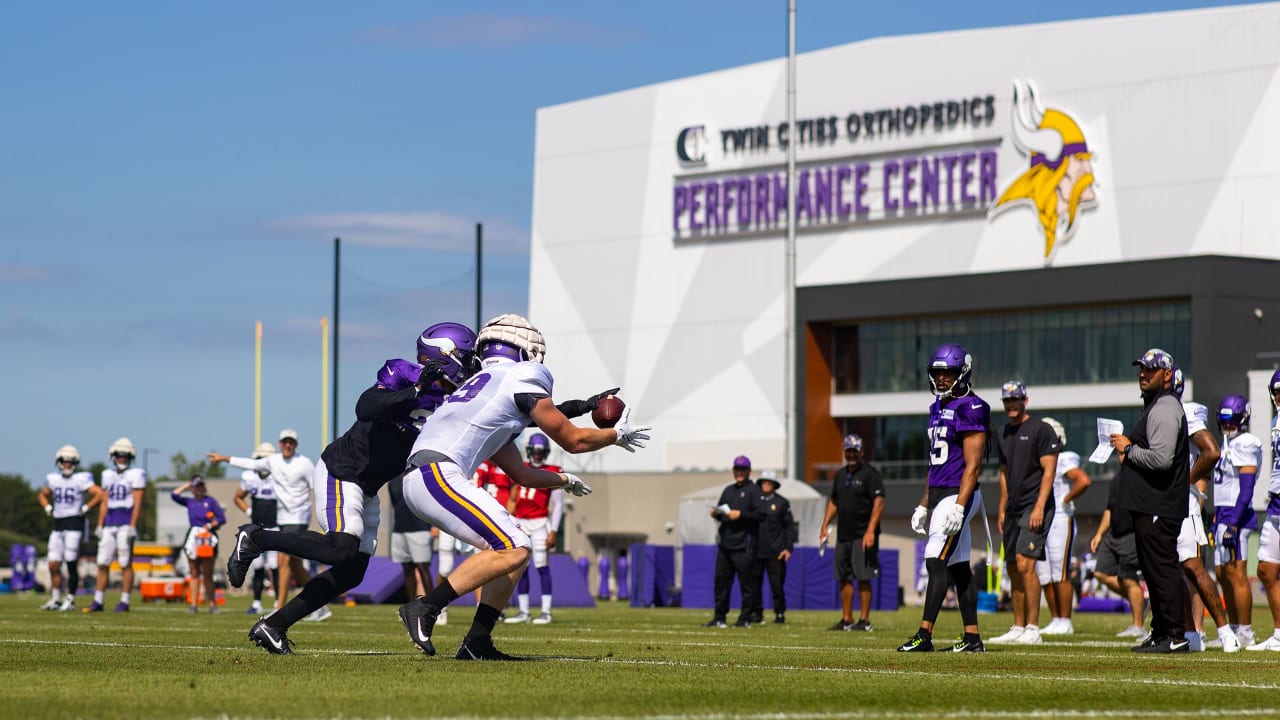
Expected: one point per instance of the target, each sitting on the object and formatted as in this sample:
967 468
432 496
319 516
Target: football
608 412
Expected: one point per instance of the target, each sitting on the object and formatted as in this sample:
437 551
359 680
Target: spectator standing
778 535
856 504
205 516
739 513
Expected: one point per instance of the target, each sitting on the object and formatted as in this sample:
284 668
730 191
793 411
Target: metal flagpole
789 284
337 262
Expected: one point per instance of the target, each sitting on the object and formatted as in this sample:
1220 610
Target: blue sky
171 173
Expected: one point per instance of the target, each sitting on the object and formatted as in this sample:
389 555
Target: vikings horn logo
1059 183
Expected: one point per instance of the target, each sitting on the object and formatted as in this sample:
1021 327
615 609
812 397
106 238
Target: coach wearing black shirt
856 503
739 512
1028 461
777 541
1154 481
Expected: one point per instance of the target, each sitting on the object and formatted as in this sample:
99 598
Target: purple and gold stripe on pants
333 503
463 509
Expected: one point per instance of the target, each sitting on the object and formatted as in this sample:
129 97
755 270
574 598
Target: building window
1056 347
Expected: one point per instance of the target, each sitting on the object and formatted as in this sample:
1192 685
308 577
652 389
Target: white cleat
443 618
1272 643
324 613
1245 636
1011 637
1030 636
1229 642
67 604
51 605
519 619
1133 631
1059 626
543 619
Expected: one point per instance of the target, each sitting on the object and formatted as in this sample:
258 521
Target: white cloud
496 32
429 230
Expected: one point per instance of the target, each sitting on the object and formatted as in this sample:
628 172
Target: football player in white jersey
257 498
63 498
1069 482
291 474
1192 538
124 486
1269 543
1234 517
480 420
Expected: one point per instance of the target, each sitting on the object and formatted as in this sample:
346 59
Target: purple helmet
398 374
1179 382
1234 409
452 343
538 443
1274 387
951 356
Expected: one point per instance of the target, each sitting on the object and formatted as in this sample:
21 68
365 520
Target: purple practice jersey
947 420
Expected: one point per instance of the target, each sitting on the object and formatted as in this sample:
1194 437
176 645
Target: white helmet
1058 429
510 336
263 450
122 446
67 453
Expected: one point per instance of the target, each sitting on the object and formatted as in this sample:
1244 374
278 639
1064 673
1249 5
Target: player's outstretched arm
508 458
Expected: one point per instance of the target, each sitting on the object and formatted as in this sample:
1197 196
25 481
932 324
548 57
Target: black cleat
963 645
715 622
841 625
1164 646
242 555
743 623
861 626
482 648
780 619
418 619
270 639
920 642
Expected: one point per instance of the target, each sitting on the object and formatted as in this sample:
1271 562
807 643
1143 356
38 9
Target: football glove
132 533
629 438
918 520
432 370
574 485
577 408
48 509
953 519
97 532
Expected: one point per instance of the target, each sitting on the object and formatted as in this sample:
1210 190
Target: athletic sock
486 617
523 601
124 597
1276 634
441 595
99 596
546 603
57 594
972 637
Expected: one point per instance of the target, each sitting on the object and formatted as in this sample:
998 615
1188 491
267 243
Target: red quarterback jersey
532 503
495 481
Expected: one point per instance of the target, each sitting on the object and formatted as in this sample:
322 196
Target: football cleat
1245 636
742 623
716 622
963 645
1133 631
270 639
322 613
841 625
418 619
67 605
1272 643
1030 636
920 642
242 555
518 619
121 607
95 607
780 619
543 619
51 605
1014 634
861 626
482 648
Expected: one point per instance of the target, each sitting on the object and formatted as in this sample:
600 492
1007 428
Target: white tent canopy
695 526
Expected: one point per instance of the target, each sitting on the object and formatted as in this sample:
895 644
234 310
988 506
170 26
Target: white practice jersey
292 482
1067 461
484 414
1274 487
1239 451
257 486
68 492
1197 420
119 486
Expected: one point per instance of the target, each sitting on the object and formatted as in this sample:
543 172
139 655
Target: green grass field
614 661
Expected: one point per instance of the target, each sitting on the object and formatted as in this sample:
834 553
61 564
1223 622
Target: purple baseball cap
1155 358
852 442
1013 389
742 461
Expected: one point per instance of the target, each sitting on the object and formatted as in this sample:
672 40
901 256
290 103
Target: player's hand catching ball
574 485
630 438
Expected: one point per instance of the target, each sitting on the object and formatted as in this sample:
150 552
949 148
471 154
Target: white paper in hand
723 508
1106 428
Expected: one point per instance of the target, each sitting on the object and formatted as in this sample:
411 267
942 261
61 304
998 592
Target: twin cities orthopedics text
837 193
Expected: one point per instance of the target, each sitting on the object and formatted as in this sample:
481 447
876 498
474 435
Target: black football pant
1157 541
741 563
775 570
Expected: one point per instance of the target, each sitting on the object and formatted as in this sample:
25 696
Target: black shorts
1018 537
294 528
854 563
1118 556
75 523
